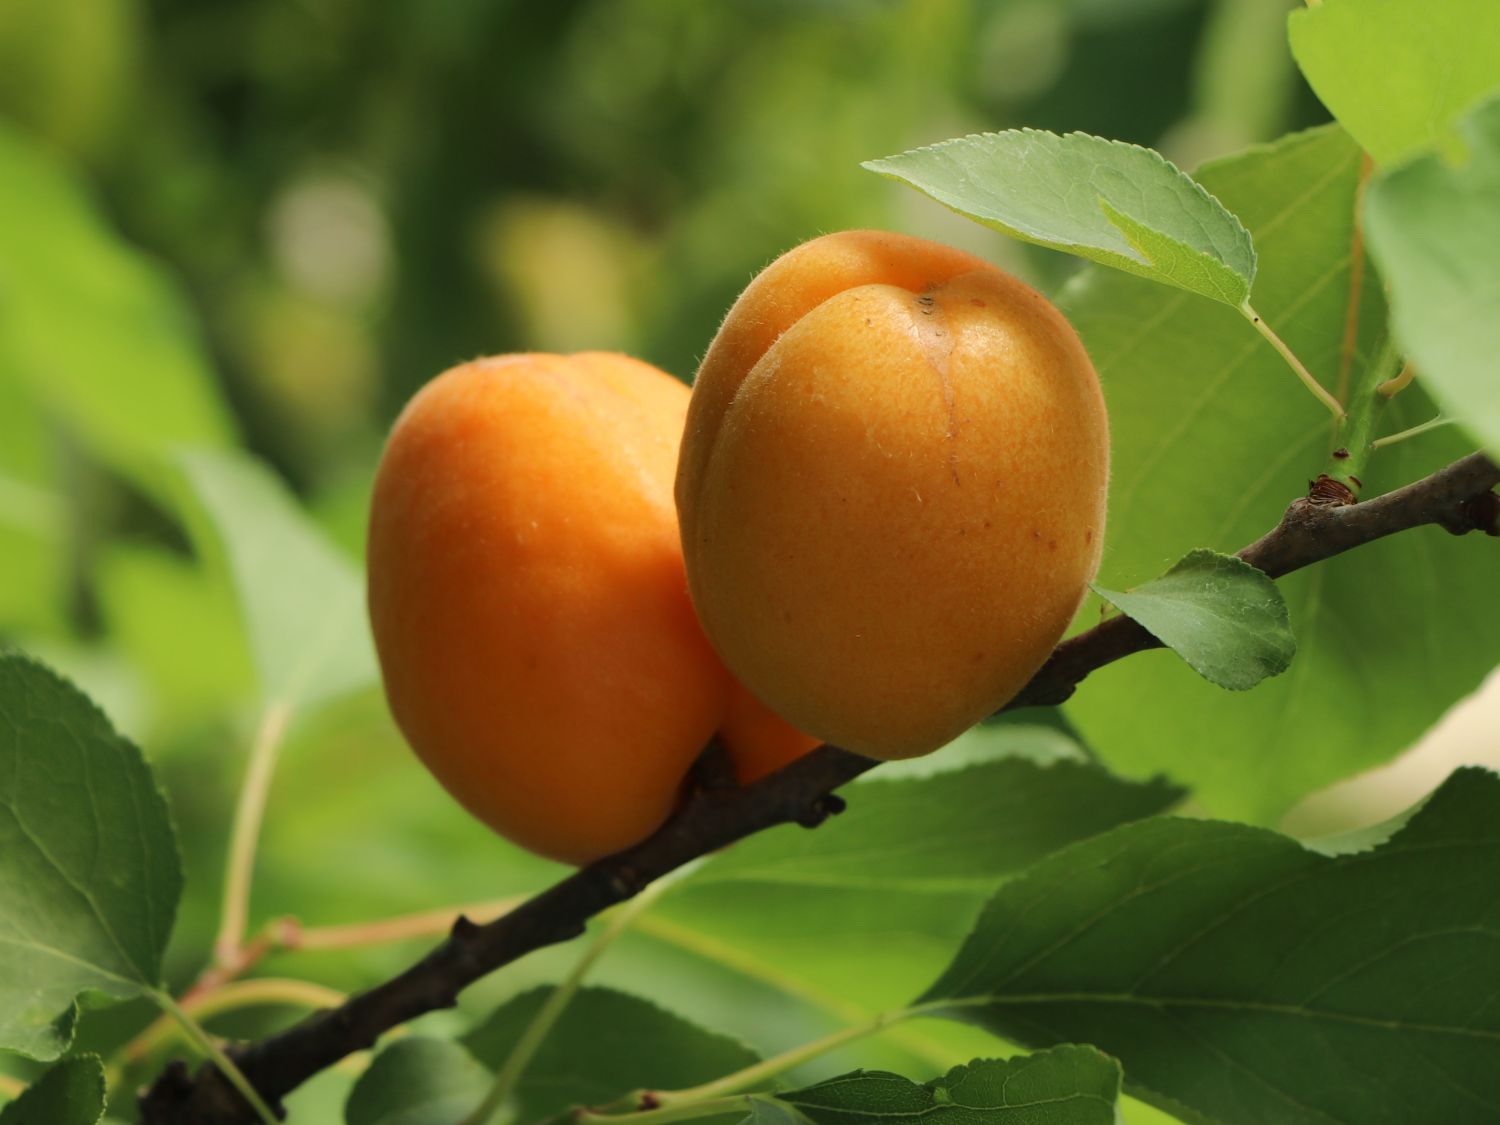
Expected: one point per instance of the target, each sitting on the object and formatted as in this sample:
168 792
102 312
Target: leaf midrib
1209 1003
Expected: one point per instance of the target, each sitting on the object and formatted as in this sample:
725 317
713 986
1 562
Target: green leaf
1435 230
70 1093
418 1081
605 1044
1217 612
1064 1086
839 946
302 600
1398 73
782 965
94 330
997 817
1116 203
89 873
1244 977
1211 438
179 627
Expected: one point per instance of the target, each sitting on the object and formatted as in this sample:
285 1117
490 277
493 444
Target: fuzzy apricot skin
891 489
528 600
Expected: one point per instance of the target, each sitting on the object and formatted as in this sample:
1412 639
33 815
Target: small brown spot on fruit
1088 536
1052 544
977 303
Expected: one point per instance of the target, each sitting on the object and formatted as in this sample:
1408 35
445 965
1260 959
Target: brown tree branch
1457 498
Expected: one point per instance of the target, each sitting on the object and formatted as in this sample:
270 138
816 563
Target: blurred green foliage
277 218
359 195
269 221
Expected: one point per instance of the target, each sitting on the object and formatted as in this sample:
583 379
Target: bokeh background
344 197
357 195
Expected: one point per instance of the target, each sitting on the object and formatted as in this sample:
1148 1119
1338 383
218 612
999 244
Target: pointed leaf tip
1115 203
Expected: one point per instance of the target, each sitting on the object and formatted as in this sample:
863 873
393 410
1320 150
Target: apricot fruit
891 489
529 606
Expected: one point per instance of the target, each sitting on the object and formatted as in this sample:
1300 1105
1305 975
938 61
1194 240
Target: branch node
287 932
464 929
830 804
1482 513
1326 492
624 881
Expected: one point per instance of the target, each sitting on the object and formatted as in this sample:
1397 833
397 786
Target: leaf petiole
1319 391
245 833
1392 387
1392 439
227 998
767 1069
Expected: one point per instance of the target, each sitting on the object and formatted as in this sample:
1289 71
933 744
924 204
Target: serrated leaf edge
876 165
67 1018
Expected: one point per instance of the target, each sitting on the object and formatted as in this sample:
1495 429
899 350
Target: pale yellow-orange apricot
529 606
891 489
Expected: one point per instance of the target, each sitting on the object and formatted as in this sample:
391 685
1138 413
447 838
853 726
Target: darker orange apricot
758 740
526 590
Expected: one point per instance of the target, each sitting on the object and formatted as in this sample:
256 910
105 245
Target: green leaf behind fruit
996 817
302 600
1211 439
605 1044
93 329
418 1081
1435 230
1398 73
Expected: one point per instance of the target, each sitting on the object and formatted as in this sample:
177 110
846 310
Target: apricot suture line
1458 498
